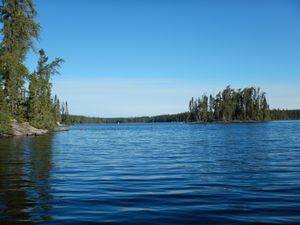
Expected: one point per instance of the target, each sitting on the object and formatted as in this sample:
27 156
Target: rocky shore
25 129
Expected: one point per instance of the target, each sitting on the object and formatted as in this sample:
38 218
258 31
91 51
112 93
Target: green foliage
180 117
275 114
57 112
285 114
19 26
65 117
231 105
13 73
18 31
42 111
5 127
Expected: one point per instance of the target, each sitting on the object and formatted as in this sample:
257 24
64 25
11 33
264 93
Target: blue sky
149 57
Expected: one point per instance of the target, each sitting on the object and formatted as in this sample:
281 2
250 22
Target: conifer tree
204 108
41 109
65 117
229 105
211 107
57 109
265 111
5 127
18 31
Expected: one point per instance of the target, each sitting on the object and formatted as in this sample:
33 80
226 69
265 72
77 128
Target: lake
156 173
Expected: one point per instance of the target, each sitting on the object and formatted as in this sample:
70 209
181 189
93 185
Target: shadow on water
25 170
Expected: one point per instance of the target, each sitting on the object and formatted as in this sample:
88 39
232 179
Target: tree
41 109
265 111
218 109
57 109
5 127
65 117
211 107
204 108
192 108
229 105
18 31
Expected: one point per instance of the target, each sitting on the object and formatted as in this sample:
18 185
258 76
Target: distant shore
229 122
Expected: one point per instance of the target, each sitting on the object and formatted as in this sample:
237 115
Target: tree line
275 114
229 105
180 117
25 95
248 104
285 114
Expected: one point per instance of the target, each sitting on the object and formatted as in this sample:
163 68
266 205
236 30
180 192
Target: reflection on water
167 173
25 168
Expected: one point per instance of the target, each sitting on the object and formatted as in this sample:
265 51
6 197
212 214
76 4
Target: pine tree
211 107
218 109
229 105
192 115
265 111
18 31
41 109
57 109
65 117
5 127
204 108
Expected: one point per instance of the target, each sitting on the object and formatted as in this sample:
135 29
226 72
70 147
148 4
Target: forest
25 95
179 117
275 114
285 114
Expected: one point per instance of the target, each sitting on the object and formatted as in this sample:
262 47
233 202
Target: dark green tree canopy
229 105
19 30
19 27
42 110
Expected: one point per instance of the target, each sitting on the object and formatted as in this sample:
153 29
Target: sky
149 57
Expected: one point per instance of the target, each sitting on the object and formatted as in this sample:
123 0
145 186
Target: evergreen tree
65 117
211 107
5 127
57 109
218 110
229 105
204 108
18 31
192 109
238 113
67 108
41 109
265 111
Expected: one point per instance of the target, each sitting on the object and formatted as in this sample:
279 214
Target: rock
25 129
60 128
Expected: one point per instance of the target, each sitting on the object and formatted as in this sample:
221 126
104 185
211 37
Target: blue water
161 173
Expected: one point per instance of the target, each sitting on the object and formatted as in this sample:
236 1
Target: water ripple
170 173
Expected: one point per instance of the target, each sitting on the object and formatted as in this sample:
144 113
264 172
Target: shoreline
230 122
25 129
185 122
